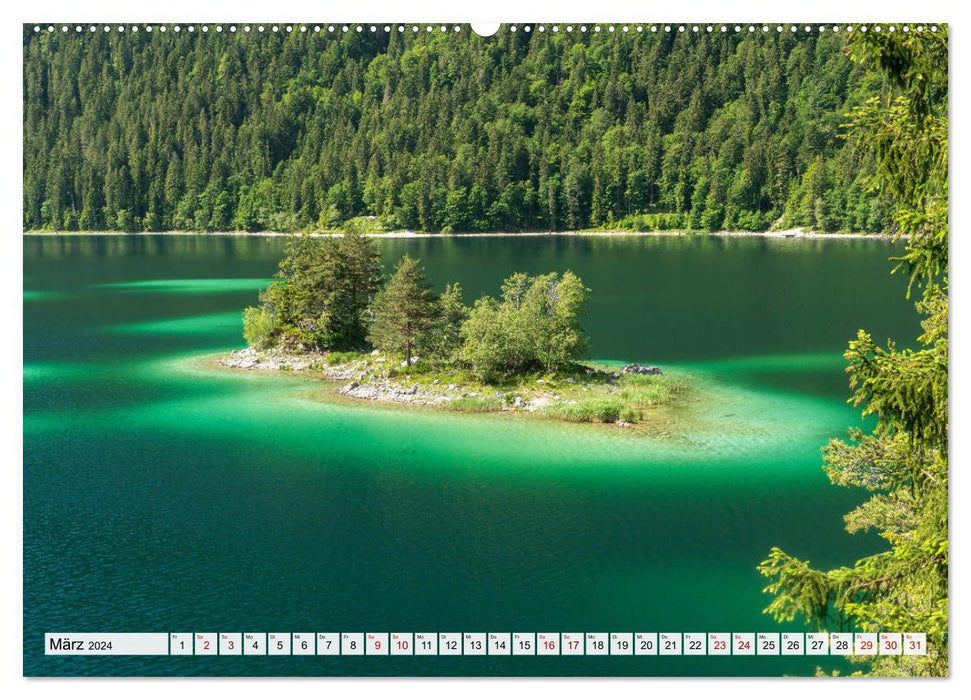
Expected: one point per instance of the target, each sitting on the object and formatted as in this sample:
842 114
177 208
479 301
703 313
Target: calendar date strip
486 644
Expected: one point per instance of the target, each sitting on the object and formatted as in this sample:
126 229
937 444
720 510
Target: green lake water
163 495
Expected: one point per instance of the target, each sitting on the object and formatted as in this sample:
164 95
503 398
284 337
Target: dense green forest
444 132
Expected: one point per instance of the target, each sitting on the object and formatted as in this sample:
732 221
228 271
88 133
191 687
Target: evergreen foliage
440 131
328 295
404 311
322 296
904 461
445 337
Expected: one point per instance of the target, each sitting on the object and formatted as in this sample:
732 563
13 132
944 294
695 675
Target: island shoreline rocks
365 379
637 368
364 385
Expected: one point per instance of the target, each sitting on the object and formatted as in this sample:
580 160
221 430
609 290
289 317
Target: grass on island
587 392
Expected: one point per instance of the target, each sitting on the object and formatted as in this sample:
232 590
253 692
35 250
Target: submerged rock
636 368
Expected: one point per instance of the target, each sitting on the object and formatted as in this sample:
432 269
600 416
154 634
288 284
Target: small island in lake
330 312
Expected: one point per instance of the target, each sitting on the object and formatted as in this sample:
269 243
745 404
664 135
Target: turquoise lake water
163 495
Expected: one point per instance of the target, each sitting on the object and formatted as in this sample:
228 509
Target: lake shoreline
563 399
789 234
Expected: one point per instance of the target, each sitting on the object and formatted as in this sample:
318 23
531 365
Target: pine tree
323 292
404 311
904 460
451 313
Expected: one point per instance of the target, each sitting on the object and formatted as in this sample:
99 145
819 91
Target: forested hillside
442 131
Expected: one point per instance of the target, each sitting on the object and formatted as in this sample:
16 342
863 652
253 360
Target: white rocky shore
274 360
386 390
366 380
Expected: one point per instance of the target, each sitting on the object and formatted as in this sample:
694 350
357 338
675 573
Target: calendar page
507 349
